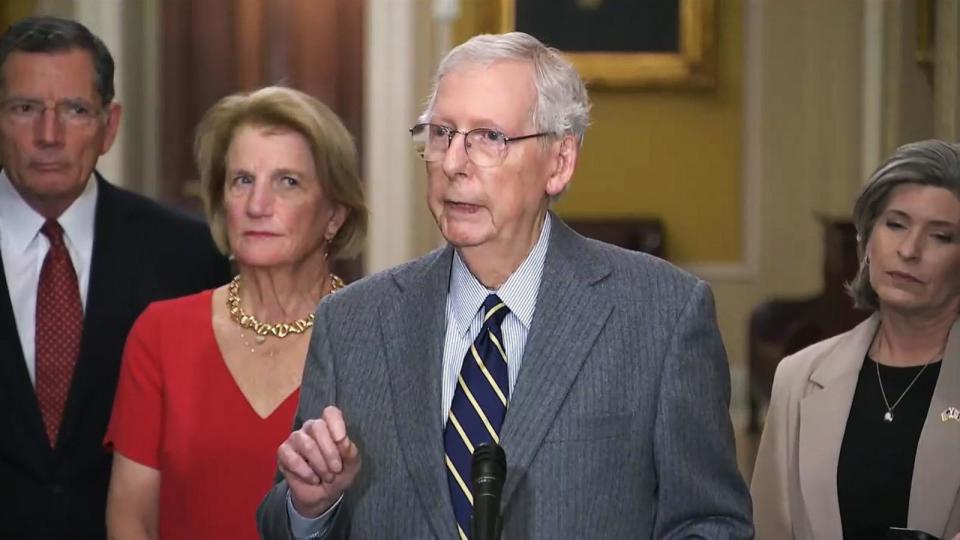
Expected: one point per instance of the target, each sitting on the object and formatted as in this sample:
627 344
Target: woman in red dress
210 382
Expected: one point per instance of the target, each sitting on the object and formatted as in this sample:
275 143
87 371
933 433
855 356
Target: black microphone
488 470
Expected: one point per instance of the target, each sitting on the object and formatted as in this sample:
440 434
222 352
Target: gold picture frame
693 65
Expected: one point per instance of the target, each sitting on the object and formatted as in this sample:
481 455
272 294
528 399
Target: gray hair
562 104
52 35
928 163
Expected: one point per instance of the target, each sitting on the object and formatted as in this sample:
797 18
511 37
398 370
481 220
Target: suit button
57 489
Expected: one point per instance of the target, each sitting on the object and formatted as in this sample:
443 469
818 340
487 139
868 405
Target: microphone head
489 468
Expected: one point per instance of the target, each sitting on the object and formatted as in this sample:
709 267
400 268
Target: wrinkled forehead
67 73
500 94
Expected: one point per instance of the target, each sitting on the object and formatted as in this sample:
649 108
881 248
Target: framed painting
625 43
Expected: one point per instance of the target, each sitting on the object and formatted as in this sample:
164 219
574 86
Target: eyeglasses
69 112
485 147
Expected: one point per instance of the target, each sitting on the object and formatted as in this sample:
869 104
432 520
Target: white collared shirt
23 248
464 318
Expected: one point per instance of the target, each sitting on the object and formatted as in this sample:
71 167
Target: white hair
562 106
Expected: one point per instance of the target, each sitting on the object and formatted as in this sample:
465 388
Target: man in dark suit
599 371
79 260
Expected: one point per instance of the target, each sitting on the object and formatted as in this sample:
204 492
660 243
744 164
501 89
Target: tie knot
53 231
494 310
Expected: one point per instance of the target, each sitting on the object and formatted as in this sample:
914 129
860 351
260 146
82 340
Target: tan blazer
794 484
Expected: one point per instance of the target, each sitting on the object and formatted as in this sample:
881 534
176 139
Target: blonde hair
334 154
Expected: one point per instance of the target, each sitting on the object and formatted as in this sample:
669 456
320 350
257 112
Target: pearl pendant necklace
888 416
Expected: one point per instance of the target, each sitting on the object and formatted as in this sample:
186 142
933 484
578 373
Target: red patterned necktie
59 324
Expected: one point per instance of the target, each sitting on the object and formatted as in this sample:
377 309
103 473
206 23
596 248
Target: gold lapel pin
950 413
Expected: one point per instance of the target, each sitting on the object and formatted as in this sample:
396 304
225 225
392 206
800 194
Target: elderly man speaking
599 371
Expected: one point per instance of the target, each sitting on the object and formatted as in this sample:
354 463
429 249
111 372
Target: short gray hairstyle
928 163
562 107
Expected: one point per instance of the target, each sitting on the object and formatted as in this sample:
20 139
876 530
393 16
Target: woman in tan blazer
863 429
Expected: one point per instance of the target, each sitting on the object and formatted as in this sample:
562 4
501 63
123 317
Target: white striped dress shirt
24 248
464 319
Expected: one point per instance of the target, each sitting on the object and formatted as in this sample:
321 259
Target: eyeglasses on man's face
71 112
485 147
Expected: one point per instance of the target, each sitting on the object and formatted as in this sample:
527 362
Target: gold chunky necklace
262 329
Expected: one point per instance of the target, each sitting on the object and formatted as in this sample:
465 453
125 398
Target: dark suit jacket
141 252
617 426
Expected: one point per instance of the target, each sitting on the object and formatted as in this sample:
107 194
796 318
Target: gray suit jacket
795 477
617 427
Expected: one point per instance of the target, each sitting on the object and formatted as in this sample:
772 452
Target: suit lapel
557 346
413 328
17 396
936 478
569 315
823 420
114 265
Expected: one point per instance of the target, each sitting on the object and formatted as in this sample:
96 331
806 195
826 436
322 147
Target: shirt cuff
303 528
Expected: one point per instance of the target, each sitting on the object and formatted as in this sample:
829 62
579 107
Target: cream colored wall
803 141
907 90
946 106
401 51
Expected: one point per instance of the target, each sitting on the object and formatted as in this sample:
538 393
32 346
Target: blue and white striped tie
479 405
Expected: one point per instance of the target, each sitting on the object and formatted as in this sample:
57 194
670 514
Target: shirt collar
467 293
78 220
20 224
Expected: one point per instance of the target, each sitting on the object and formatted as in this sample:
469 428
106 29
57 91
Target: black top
876 458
